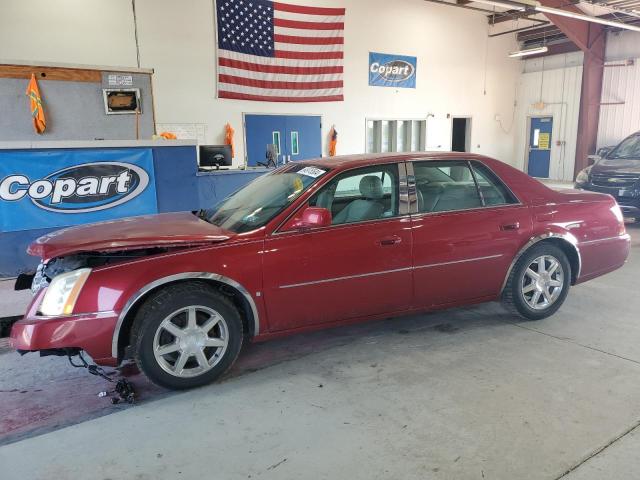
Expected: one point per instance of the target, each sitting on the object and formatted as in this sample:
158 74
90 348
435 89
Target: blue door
540 146
297 137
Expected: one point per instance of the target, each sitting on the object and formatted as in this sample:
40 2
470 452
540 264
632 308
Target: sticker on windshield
312 172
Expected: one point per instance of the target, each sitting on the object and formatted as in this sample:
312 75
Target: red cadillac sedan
311 245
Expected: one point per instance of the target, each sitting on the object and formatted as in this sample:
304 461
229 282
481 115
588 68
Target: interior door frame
468 144
244 130
527 137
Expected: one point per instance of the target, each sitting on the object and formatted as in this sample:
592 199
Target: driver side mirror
312 217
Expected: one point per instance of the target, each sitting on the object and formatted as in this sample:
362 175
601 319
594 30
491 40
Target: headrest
371 187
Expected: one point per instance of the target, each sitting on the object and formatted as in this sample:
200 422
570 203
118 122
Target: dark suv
617 173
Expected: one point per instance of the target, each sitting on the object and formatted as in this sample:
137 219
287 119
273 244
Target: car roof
348 161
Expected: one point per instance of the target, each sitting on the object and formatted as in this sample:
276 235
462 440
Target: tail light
615 209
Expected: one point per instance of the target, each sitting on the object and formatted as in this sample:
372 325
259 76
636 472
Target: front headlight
63 292
583 175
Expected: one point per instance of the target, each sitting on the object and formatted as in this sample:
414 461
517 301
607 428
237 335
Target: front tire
186 335
538 283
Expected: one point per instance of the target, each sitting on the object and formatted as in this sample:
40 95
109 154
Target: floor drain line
600 450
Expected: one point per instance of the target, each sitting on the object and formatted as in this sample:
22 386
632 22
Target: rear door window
443 186
493 191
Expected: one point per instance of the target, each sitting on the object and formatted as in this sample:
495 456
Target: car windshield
628 148
261 200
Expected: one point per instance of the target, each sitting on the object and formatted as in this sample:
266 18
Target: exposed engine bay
56 266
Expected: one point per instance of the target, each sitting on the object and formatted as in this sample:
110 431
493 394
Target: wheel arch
240 296
565 241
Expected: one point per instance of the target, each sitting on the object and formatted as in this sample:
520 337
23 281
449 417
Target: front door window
360 195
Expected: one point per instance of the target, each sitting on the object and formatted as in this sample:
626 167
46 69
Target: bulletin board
73 103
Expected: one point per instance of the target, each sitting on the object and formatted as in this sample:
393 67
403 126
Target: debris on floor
123 390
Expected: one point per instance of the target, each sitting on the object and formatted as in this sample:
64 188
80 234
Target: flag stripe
309 55
279 92
281 22
292 47
286 7
267 98
252 82
280 62
300 32
308 40
255 67
308 18
272 77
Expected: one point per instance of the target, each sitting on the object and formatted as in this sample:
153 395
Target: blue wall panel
178 187
176 182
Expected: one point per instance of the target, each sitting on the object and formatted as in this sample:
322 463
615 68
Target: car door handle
393 240
510 226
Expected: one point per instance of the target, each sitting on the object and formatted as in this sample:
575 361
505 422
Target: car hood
163 230
617 166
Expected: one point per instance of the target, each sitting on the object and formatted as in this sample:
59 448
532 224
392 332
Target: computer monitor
215 156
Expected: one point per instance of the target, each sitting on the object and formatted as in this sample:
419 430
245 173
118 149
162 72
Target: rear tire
538 283
186 335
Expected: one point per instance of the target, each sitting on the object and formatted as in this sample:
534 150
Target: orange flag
35 102
228 138
333 141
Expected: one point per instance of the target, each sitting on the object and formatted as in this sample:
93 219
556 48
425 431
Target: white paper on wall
185 131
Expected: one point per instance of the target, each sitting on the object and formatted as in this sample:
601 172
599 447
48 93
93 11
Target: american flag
279 52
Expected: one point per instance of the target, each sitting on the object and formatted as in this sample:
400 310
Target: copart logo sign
392 70
82 188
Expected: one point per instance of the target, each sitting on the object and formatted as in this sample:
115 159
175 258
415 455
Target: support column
590 99
590 38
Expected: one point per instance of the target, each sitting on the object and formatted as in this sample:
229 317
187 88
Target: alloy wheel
190 341
542 282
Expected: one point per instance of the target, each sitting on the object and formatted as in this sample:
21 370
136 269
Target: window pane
415 135
386 137
363 194
401 136
445 186
370 137
493 190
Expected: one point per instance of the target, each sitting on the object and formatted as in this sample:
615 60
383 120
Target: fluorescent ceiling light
528 51
497 3
588 18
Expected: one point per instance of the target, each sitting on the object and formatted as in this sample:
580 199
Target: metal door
540 146
297 137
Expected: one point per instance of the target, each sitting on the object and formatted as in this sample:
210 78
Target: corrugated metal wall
622 45
559 89
621 88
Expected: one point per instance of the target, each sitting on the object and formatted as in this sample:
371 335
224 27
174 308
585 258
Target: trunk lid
162 230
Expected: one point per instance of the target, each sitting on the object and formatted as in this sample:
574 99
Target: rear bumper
602 256
91 332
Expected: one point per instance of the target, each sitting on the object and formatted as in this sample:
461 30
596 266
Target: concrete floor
469 393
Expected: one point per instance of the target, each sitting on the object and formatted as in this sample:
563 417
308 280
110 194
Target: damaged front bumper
49 335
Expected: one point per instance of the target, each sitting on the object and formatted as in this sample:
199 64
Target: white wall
621 91
559 90
620 84
622 45
177 40
91 32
